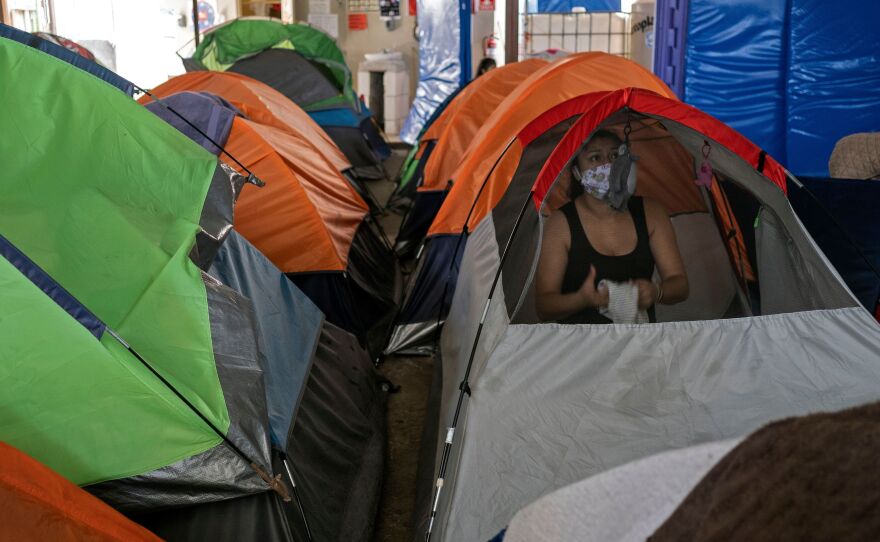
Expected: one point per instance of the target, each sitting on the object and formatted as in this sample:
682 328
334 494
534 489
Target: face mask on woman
596 180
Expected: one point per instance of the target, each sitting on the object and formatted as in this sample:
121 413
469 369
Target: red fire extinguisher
490 46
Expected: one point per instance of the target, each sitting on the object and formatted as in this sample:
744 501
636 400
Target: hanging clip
705 173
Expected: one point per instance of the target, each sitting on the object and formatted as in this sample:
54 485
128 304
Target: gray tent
769 331
326 415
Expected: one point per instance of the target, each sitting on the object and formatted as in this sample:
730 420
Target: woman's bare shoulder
556 226
654 210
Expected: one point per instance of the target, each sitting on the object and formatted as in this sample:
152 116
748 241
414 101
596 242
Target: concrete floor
406 408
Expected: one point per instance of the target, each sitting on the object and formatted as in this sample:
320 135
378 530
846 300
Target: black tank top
638 264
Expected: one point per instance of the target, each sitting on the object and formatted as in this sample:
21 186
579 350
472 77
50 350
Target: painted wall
354 43
483 24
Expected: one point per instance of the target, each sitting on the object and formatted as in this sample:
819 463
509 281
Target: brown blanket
810 478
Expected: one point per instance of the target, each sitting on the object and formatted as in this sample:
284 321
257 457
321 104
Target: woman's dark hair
575 188
485 65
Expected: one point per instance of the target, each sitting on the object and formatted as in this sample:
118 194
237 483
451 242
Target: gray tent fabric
337 442
290 325
624 504
215 222
336 452
327 414
557 403
218 473
262 517
326 405
817 274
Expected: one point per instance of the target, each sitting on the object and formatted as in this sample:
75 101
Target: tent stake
464 387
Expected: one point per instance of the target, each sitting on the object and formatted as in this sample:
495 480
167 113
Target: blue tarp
289 326
794 76
67 56
833 78
734 69
561 6
440 63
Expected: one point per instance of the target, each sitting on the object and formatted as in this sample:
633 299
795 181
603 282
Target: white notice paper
319 6
327 22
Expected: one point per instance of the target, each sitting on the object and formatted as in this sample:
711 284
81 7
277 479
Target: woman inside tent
600 249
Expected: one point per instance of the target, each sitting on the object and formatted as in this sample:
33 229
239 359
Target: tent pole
195 16
274 483
461 236
253 179
464 387
302 512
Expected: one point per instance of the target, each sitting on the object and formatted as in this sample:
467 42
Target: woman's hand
592 296
647 293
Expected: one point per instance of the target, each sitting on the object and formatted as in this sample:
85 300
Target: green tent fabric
241 38
106 198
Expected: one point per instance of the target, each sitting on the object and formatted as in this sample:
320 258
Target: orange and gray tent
263 104
769 329
307 219
470 198
446 140
37 503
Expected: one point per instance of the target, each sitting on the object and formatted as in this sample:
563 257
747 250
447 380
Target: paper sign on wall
318 7
327 23
485 5
357 21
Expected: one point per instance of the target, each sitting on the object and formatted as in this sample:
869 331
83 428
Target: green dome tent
122 365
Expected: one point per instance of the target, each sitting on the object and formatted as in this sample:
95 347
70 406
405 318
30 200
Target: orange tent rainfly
460 123
307 219
260 103
36 503
445 141
558 82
